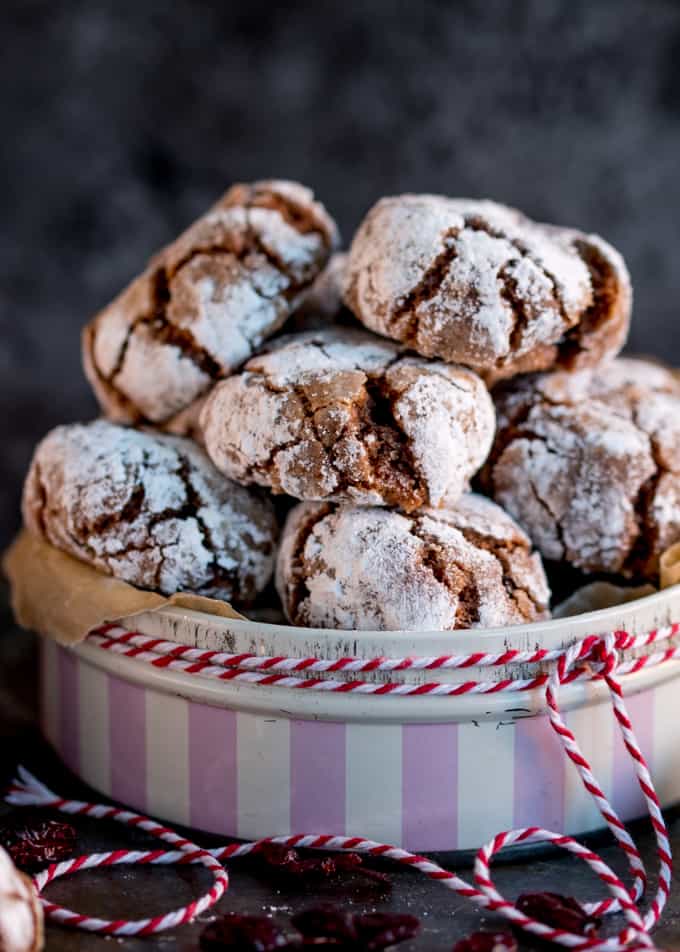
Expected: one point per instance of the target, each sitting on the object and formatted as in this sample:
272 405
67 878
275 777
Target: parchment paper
669 566
63 598
599 595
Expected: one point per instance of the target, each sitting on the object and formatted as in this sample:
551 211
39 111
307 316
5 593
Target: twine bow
593 658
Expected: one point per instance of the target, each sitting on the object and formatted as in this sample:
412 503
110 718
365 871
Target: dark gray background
122 119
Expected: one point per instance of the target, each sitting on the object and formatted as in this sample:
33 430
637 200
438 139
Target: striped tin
426 773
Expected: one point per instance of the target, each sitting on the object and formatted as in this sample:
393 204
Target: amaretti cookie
479 284
149 509
206 302
589 464
342 415
363 567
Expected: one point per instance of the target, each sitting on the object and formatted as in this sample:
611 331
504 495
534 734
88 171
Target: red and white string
595 657
28 791
295 673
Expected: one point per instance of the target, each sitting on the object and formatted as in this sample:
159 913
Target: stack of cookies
457 343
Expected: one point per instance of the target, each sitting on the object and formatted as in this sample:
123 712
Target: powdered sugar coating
149 509
340 414
369 568
589 464
207 302
477 283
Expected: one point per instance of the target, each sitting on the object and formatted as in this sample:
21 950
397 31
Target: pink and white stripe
28 791
421 772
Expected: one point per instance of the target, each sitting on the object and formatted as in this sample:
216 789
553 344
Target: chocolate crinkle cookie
589 464
479 284
378 569
342 415
149 509
206 302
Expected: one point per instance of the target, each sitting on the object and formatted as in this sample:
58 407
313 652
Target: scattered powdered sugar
149 509
339 414
377 569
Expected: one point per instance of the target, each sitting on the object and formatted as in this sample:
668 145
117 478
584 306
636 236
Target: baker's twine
28 791
297 673
594 657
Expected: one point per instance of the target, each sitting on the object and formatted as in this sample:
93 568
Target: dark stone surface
122 121
133 892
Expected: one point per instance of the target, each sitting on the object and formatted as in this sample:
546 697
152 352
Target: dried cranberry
347 861
377 930
275 855
289 861
327 922
38 842
352 862
487 942
245 933
562 912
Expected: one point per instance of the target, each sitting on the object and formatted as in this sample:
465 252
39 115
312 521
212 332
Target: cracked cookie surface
149 509
342 415
479 284
589 464
206 302
367 568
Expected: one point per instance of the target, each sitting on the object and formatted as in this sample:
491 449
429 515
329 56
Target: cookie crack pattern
554 518
133 509
506 438
503 555
192 509
434 559
297 589
395 472
276 262
390 449
477 223
645 544
239 246
292 213
602 275
406 311
648 531
520 315
163 330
